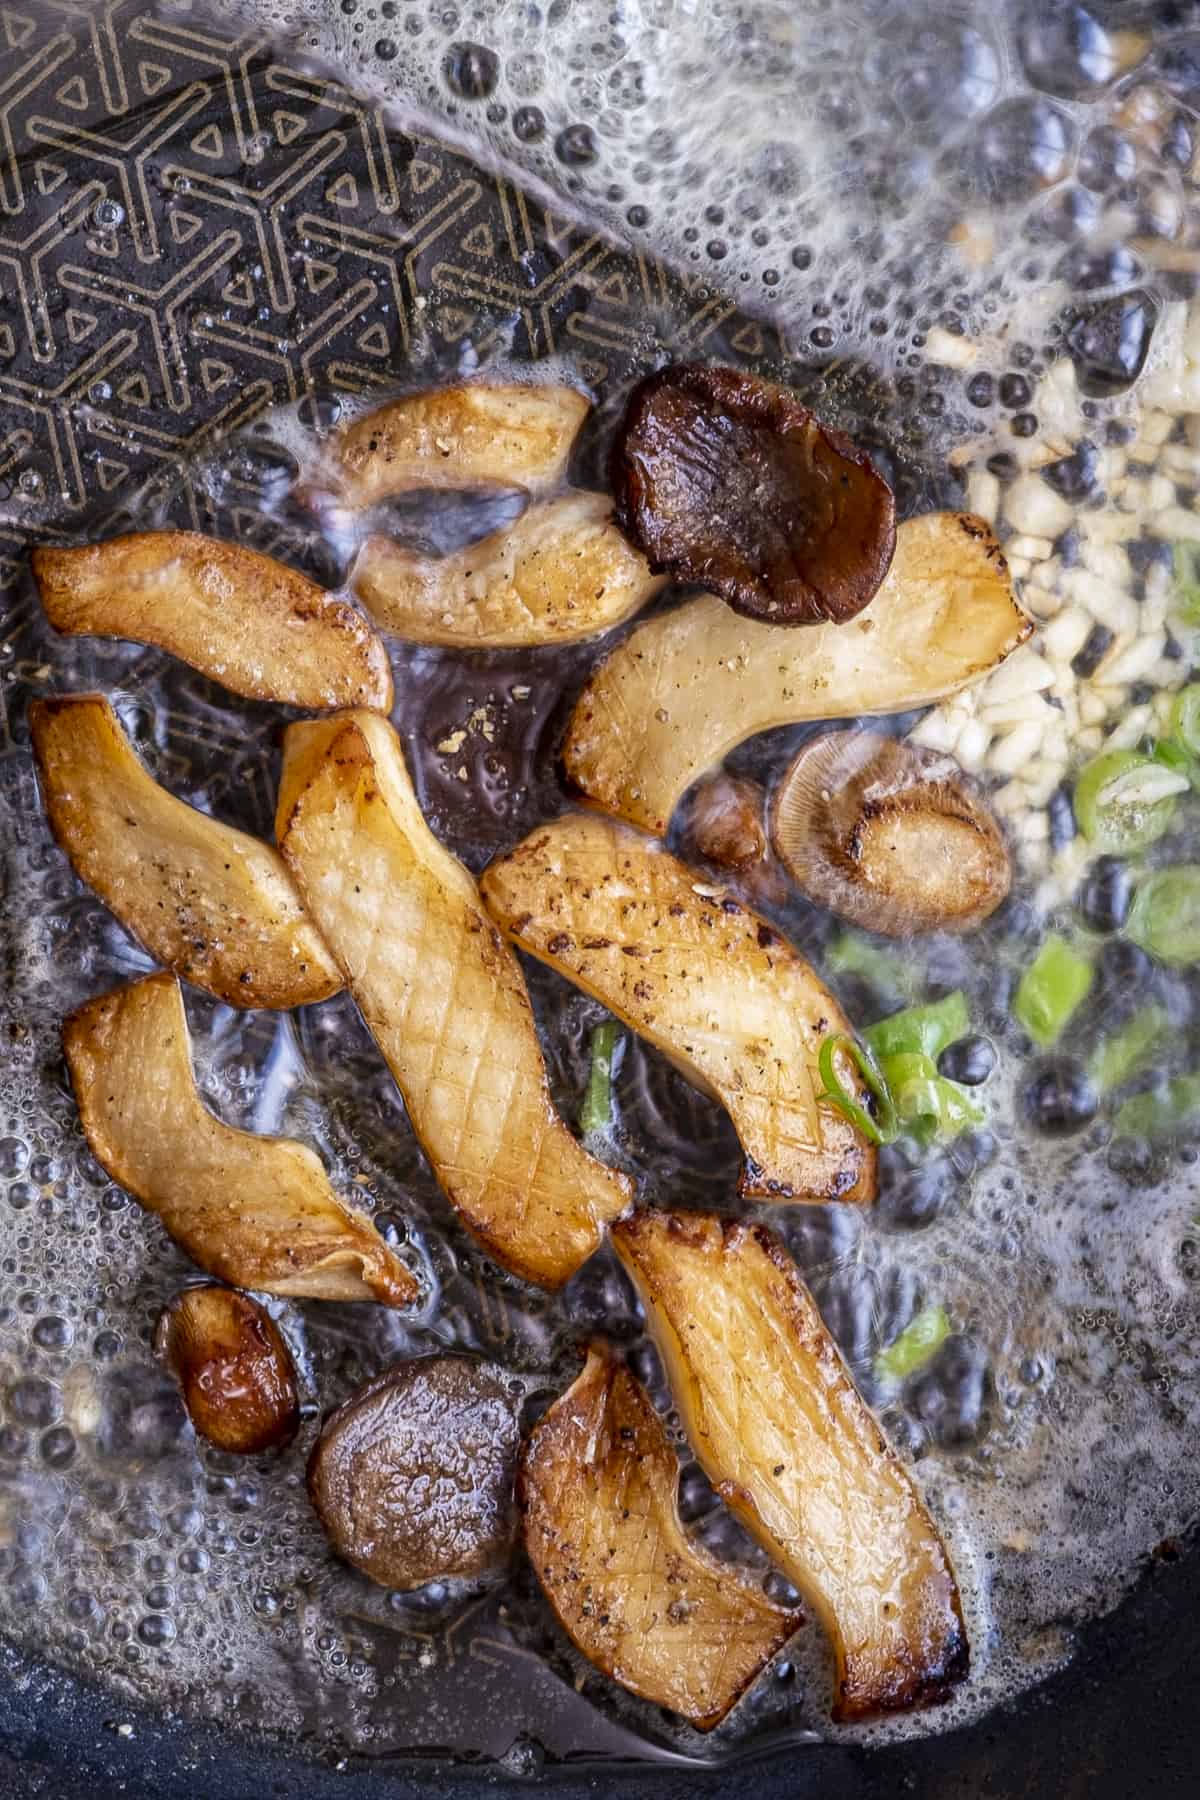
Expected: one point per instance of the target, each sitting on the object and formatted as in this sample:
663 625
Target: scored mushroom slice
728 480
255 1211
789 1445
562 572
598 1488
413 1476
707 981
212 903
241 618
888 835
687 686
444 998
235 1372
477 434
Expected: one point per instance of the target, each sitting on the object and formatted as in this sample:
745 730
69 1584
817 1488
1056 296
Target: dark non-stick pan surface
1120 1721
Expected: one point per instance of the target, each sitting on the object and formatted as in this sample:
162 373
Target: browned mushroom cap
888 835
413 1477
726 823
727 480
236 1373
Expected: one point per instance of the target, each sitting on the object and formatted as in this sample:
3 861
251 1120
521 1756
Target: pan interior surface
223 236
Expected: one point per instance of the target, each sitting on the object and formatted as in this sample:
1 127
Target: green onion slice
924 1030
881 1130
1129 1049
1165 916
1052 988
596 1113
1125 801
1185 718
1153 1115
920 1340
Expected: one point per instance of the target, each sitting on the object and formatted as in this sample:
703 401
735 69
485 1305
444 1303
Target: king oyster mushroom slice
479 434
686 686
560 573
726 479
243 619
255 1211
599 1490
888 835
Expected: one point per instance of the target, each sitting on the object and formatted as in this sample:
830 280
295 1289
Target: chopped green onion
1052 988
596 1113
850 954
1173 756
920 1340
1185 718
1128 1049
1152 1115
884 1130
928 1106
1124 800
1165 916
924 1029
1187 583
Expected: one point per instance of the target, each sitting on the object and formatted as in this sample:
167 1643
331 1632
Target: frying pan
132 366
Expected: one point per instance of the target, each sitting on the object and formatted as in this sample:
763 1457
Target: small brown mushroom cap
236 1372
413 1476
726 822
888 835
727 480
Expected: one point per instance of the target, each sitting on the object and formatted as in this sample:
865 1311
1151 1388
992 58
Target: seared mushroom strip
443 997
236 1372
784 1437
257 1212
707 981
413 1476
686 687
241 618
727 480
562 572
212 903
598 1488
888 835
459 437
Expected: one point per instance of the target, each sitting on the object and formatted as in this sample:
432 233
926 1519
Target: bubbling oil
1051 1431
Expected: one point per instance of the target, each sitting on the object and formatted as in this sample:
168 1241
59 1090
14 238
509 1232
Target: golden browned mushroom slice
727 480
459 437
413 1476
686 687
236 1372
257 1212
443 997
598 1488
560 573
212 903
783 1435
888 835
706 980
726 823
241 618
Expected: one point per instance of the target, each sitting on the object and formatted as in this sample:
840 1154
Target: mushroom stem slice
726 479
412 1478
235 1371
598 1489
241 618
460 437
444 998
214 904
706 980
888 835
686 687
781 1432
257 1212
562 572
